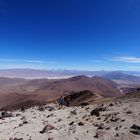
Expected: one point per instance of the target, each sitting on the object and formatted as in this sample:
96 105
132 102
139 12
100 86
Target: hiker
61 101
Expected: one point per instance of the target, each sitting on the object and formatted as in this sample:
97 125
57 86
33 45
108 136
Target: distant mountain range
35 74
121 77
129 77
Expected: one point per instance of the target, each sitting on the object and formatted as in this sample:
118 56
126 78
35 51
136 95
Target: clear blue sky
70 34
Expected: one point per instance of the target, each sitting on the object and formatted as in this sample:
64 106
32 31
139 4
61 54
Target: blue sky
70 34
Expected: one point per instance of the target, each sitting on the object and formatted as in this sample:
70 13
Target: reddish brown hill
97 85
106 88
44 90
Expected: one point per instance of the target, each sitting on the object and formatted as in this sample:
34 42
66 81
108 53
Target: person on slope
61 101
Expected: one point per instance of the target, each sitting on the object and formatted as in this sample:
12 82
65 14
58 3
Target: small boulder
117 135
6 114
97 111
50 138
84 104
72 123
41 108
47 128
129 112
102 126
114 118
22 109
80 123
111 104
135 129
74 112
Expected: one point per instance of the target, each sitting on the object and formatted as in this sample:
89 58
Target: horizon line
59 69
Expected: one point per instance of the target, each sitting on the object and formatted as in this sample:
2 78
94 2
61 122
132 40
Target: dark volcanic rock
20 125
80 123
73 112
48 127
97 111
129 112
72 123
5 115
50 138
84 104
96 136
22 109
111 104
50 108
101 126
135 129
15 138
24 120
115 118
117 135
41 108
50 115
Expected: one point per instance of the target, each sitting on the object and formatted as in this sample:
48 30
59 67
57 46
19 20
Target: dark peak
80 77
117 73
97 77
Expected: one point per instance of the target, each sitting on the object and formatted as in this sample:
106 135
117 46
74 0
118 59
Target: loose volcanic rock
72 123
47 128
117 135
50 138
97 135
111 104
129 112
24 120
97 111
50 108
5 115
22 109
74 112
50 115
135 129
114 118
80 123
84 104
15 138
102 126
41 108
